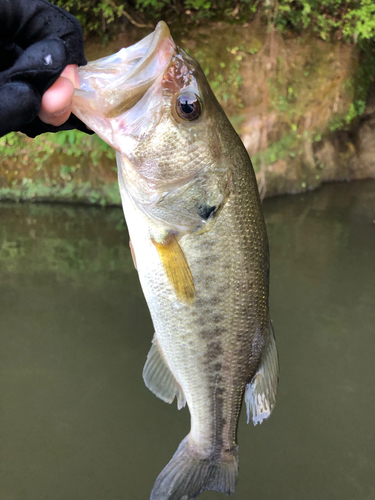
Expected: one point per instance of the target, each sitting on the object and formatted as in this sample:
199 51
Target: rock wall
293 100
299 122
346 155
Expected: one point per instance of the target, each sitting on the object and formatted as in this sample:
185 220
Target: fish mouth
114 84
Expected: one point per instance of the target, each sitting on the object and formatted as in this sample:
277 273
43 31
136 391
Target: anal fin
176 268
260 392
159 378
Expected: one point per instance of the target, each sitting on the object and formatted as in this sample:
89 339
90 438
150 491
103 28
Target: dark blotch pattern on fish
212 333
214 350
207 302
217 318
209 259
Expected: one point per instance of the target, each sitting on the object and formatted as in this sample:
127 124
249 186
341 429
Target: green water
76 421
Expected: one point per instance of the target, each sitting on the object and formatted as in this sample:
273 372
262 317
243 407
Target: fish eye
188 106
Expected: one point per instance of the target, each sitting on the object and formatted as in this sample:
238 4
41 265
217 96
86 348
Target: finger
71 72
58 96
56 102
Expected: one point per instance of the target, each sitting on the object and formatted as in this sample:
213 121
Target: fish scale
194 216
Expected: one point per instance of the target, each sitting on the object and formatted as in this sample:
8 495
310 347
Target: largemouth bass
199 241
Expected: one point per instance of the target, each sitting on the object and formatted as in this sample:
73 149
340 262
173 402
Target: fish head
112 86
152 103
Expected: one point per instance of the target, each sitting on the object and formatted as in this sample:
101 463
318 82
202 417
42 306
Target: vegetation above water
350 20
43 168
301 67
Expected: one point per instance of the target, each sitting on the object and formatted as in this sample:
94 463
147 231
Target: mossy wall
69 166
294 100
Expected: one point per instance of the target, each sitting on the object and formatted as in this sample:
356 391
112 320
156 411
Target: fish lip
122 79
157 39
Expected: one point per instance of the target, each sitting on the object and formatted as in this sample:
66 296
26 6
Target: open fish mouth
114 84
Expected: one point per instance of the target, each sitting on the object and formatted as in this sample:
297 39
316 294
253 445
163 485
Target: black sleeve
37 41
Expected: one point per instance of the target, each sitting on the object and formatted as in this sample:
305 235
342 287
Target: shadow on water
76 421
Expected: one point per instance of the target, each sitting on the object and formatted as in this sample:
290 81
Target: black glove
37 41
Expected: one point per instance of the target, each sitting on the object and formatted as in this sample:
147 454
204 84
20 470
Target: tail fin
188 474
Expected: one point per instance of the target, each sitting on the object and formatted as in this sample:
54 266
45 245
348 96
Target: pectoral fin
176 268
260 393
159 378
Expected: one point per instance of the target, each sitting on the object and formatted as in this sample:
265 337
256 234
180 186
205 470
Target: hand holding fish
41 46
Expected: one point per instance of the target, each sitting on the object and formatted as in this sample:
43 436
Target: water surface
77 422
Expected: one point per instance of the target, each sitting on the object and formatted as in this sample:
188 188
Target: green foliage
351 20
151 5
54 159
223 73
94 15
71 143
288 145
17 147
361 21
